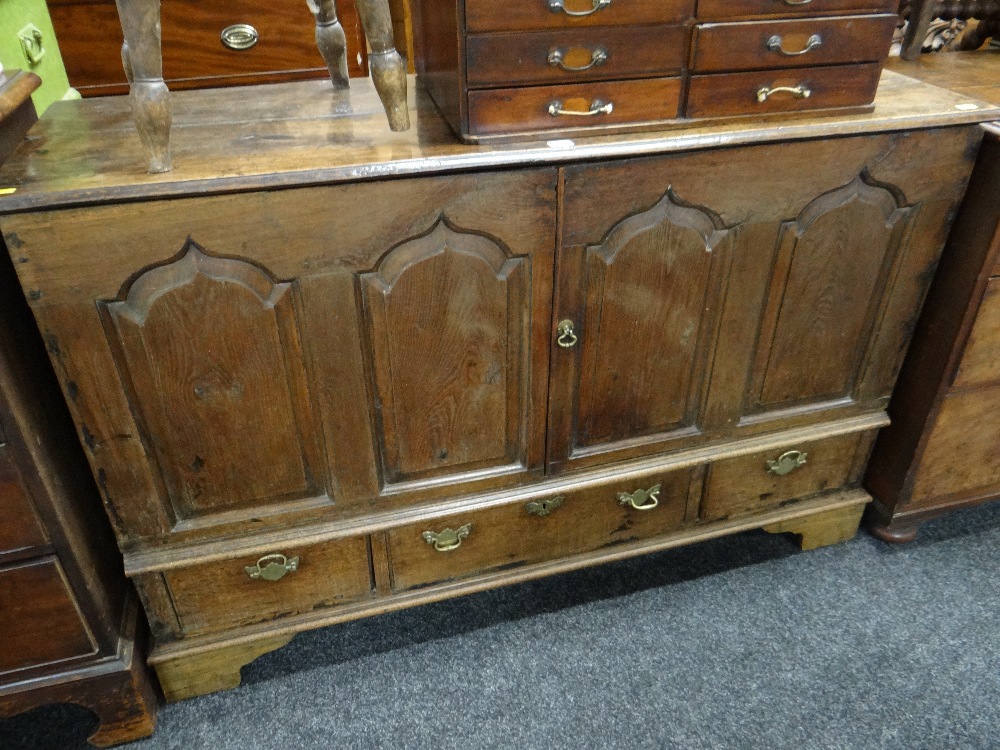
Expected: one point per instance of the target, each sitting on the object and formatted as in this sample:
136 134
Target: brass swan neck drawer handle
544 507
448 539
558 6
567 336
641 499
774 44
799 92
786 463
272 567
557 59
239 36
597 107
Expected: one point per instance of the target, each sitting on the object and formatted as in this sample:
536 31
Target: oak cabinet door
742 290
250 360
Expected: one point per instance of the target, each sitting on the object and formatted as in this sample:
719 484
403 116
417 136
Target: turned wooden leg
211 671
387 66
331 40
822 529
921 15
141 57
894 533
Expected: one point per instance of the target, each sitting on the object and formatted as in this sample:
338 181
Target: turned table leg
143 64
387 66
331 40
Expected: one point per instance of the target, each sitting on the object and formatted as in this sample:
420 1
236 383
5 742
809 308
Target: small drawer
981 360
261 587
718 10
499 111
546 527
766 92
764 481
525 15
769 45
39 617
571 55
20 530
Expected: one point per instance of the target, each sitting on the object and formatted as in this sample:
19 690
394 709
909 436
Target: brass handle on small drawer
567 336
799 92
449 539
544 507
239 36
557 59
797 2
597 107
774 45
557 5
641 499
272 567
786 463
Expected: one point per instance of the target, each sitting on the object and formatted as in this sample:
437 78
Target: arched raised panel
833 264
651 301
448 314
211 352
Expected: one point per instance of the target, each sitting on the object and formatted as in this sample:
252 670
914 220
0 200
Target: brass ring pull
272 567
787 462
449 539
567 336
774 45
597 107
799 92
557 59
557 5
239 36
544 507
641 499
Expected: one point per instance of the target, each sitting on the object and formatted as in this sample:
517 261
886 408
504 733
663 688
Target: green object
28 42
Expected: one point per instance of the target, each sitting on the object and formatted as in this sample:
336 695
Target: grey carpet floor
741 642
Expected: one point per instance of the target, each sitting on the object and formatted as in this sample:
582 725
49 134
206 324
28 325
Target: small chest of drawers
538 67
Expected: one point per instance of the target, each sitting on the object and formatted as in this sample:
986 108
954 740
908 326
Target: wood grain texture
745 46
981 361
733 9
21 533
822 529
526 15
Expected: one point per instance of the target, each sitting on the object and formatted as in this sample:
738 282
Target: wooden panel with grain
743 486
732 9
511 536
526 15
981 361
524 58
21 531
221 594
762 45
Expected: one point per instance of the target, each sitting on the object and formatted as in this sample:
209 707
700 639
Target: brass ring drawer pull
799 92
449 539
774 45
567 336
597 107
787 462
557 59
641 499
557 6
544 507
272 567
239 36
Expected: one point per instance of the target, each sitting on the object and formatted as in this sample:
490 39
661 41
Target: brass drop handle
448 539
557 6
567 335
775 42
557 59
799 92
641 499
787 462
544 507
797 2
597 107
272 567
239 36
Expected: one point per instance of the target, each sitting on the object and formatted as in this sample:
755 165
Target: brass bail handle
798 92
787 462
597 107
641 499
774 44
557 6
447 539
272 567
557 59
567 336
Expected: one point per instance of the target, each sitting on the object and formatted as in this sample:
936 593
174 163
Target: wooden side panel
981 361
212 354
20 528
449 326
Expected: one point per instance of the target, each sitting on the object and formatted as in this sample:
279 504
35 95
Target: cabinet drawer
516 534
39 618
727 9
575 55
766 92
752 484
224 594
498 111
524 15
981 360
20 529
789 44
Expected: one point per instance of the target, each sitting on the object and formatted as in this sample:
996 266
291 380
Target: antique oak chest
322 370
